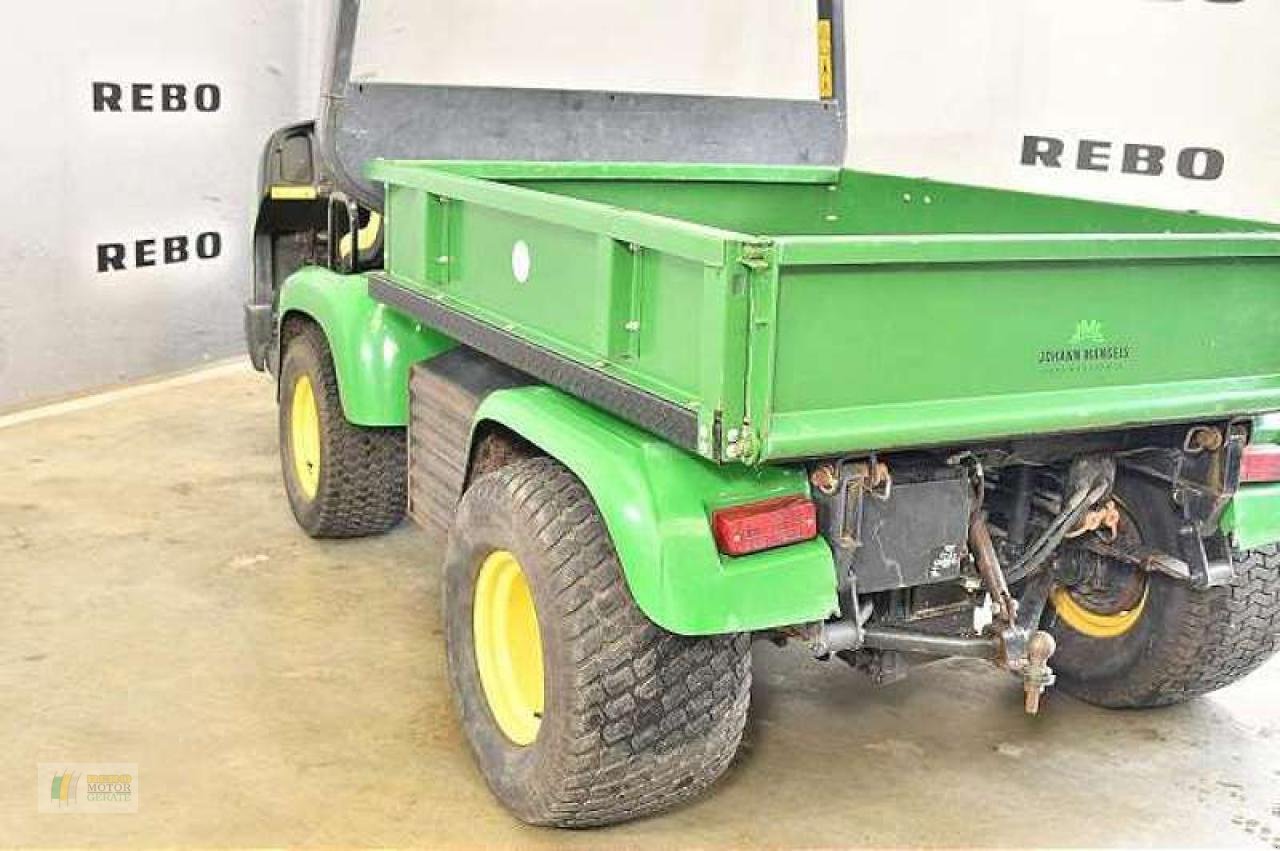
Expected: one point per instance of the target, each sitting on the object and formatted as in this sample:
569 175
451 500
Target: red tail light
1261 463
746 529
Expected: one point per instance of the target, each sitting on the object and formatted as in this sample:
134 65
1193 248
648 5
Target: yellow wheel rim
1096 624
304 436
508 647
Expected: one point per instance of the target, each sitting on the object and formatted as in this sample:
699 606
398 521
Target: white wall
749 48
951 88
948 89
77 179
941 88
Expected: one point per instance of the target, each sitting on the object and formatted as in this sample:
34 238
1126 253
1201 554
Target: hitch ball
1037 676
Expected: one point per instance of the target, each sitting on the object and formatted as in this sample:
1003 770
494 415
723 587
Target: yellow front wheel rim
1096 624
304 436
508 647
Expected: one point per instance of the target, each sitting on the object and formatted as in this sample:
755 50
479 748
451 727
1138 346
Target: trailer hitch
1020 646
1012 641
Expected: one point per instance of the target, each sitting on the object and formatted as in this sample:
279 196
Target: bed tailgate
886 342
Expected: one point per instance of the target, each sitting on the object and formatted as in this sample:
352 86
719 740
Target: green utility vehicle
655 409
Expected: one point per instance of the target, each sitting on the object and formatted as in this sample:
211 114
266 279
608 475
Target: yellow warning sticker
826 72
283 192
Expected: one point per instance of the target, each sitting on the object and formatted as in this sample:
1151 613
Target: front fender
656 501
373 346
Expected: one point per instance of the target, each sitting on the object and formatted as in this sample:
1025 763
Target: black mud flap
259 329
444 395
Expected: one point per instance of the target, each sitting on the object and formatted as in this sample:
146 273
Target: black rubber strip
664 418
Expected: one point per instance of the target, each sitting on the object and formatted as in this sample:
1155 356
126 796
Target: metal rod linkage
910 641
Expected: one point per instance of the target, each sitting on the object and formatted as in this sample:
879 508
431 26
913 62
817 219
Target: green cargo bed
760 313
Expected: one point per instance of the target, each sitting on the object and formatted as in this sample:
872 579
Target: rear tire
1184 642
631 719
343 480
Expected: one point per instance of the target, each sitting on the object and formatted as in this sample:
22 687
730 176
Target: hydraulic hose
1048 541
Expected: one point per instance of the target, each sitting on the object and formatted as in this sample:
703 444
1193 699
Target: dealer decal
1086 349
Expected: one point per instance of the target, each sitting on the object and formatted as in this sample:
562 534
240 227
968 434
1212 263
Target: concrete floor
158 606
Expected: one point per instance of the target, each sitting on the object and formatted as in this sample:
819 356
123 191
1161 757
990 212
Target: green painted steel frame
627 241
745 362
687 240
1019 248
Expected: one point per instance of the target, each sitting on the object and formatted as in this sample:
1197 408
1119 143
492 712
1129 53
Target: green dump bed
766 313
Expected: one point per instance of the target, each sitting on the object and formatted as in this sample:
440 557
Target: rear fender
1252 519
656 501
373 346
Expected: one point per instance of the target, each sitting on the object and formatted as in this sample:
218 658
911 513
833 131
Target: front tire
1164 642
342 480
611 717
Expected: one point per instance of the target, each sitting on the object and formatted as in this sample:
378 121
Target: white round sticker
520 260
